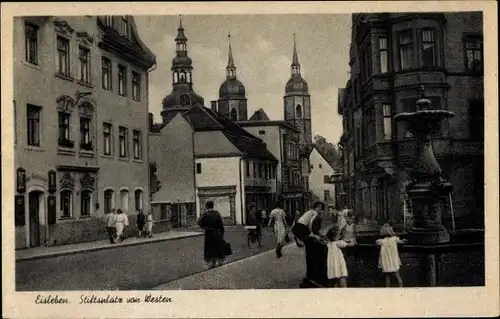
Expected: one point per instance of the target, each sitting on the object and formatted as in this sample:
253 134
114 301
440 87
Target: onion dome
296 84
231 87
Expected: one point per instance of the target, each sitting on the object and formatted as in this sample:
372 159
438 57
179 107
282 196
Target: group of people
116 222
304 228
343 235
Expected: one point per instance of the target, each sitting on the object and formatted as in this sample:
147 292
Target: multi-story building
282 140
80 102
392 56
202 154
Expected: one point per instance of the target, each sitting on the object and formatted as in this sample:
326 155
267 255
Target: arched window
188 77
182 78
124 200
85 202
176 77
66 203
138 199
109 201
233 115
298 111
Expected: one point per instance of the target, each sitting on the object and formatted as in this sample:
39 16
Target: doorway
34 218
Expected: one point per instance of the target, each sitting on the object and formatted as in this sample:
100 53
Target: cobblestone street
128 267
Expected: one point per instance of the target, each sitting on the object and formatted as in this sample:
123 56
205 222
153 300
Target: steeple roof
230 61
181 37
295 61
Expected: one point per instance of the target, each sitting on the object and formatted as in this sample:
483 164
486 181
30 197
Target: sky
262 48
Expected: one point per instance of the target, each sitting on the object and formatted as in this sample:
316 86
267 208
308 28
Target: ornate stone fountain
427 190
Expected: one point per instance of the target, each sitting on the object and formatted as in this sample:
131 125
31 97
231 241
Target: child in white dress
389 261
336 265
149 224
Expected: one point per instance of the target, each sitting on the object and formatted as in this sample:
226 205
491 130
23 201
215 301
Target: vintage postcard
254 159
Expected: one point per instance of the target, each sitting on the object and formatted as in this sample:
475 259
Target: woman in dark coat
211 221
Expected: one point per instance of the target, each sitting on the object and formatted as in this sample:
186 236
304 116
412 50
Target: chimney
213 105
150 118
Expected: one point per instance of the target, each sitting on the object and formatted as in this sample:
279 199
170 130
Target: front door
34 211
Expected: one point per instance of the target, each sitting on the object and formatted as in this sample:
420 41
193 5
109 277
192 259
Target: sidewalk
53 251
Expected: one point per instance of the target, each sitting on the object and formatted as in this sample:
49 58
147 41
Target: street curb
86 250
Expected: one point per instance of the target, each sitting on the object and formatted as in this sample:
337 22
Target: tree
330 151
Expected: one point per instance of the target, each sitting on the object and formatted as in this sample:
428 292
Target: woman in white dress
277 216
389 261
121 221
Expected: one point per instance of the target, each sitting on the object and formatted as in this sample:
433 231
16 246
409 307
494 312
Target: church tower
182 96
232 101
297 103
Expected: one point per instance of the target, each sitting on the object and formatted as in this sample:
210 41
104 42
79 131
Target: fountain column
427 190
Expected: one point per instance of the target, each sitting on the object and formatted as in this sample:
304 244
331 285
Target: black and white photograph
156 154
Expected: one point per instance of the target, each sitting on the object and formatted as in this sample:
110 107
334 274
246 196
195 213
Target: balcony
259 182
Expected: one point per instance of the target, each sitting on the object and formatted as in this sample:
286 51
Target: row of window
260 170
109 200
123 141
63 63
472 44
67 207
34 133
475 118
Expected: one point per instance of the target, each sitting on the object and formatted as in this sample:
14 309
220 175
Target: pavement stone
262 271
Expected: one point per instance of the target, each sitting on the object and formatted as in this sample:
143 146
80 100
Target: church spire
181 38
295 62
231 68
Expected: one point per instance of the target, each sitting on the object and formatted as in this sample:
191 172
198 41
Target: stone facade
391 57
77 91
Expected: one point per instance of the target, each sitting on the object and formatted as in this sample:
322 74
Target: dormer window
123 27
108 21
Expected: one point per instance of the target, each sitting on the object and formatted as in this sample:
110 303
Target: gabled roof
259 115
323 156
204 119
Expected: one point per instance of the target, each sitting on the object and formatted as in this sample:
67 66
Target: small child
336 265
149 224
389 260
348 231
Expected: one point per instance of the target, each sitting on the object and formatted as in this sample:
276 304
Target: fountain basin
459 262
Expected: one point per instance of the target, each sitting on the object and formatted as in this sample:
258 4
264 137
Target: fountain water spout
427 190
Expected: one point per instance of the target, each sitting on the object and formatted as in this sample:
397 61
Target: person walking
121 222
211 221
277 216
109 220
149 224
141 221
253 220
